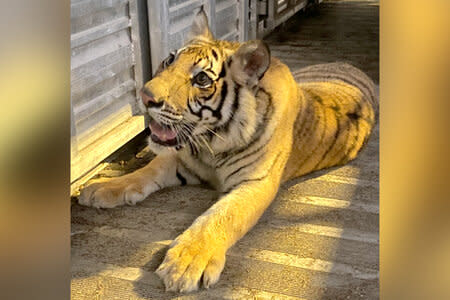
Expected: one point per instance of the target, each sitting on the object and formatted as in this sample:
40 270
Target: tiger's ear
200 28
250 62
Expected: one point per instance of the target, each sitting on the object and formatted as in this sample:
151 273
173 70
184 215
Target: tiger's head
187 97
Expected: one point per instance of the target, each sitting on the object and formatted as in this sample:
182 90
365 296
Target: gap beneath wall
132 156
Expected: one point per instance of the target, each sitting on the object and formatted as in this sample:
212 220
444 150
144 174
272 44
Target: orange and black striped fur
230 115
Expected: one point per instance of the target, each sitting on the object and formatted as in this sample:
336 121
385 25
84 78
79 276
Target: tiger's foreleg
163 171
201 249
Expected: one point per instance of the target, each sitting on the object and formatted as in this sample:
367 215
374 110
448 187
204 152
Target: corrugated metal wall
106 71
170 22
266 15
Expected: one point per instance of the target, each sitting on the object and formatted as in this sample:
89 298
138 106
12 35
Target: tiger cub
231 115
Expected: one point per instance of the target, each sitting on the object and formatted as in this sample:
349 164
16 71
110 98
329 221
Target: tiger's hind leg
163 171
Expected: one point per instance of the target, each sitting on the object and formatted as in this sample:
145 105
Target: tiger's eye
169 60
202 80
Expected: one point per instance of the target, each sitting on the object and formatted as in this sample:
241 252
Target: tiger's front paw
190 257
111 193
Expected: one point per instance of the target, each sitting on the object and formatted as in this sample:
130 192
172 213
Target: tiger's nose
149 100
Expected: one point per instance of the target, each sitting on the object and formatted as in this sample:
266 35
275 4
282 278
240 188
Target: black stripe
366 87
345 95
245 181
214 53
353 115
216 113
190 171
353 146
244 166
336 110
316 115
339 151
223 71
212 71
193 149
226 126
343 146
240 151
159 186
310 154
165 115
197 60
204 107
309 126
253 179
316 97
212 94
198 114
181 178
353 84
309 123
358 109
304 108
262 125
223 94
243 157
336 136
362 82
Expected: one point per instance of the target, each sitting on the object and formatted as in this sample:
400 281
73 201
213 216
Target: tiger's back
338 108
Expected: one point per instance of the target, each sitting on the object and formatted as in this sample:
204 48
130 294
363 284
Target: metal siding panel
180 19
94 84
227 20
106 70
87 53
86 110
244 20
89 157
98 32
210 9
84 125
252 23
170 23
184 6
158 15
99 63
223 4
176 40
135 40
109 122
97 18
86 7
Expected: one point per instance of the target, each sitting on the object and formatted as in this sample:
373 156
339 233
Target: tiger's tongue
163 133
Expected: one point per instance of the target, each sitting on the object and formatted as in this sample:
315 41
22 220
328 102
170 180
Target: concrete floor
318 239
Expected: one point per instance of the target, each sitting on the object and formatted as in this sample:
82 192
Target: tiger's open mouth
162 134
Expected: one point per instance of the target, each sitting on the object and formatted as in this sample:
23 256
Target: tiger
230 115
